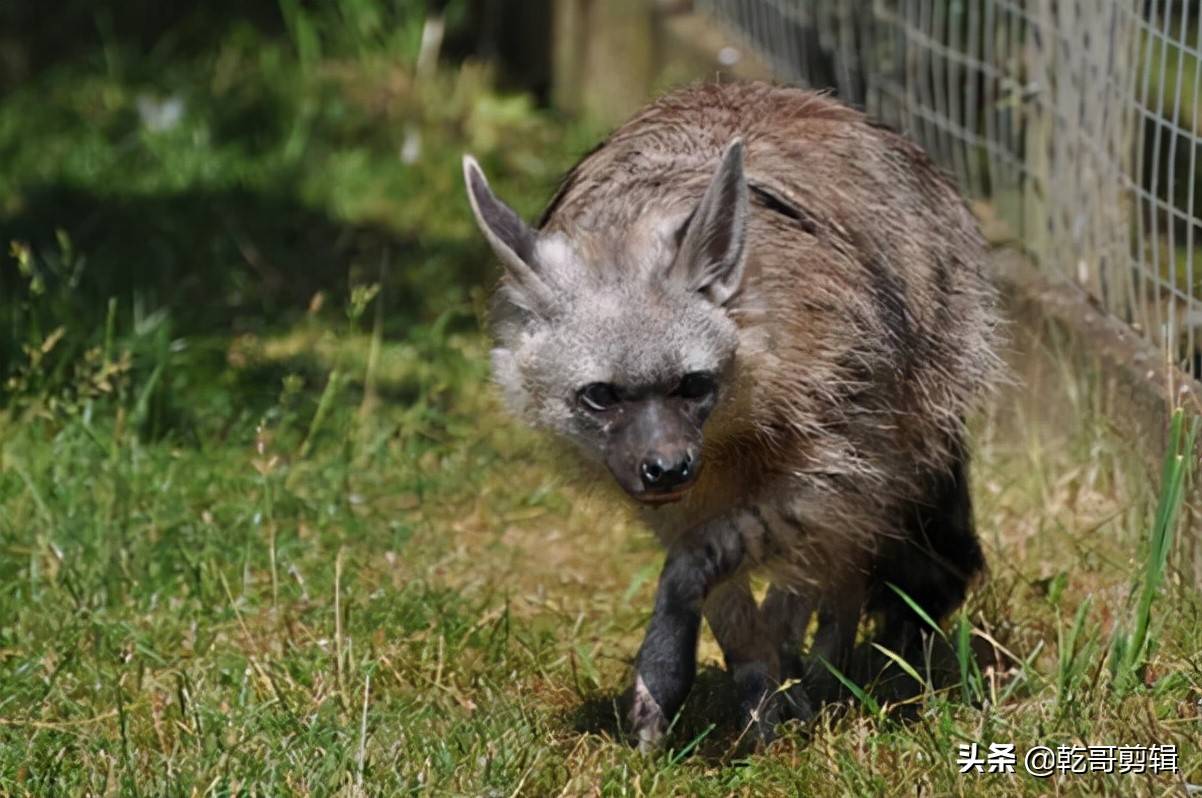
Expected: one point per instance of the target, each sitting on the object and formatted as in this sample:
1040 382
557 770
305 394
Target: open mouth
662 498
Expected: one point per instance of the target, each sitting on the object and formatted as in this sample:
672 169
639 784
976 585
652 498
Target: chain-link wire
1076 121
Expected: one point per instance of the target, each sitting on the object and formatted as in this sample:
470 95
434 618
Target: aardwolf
767 317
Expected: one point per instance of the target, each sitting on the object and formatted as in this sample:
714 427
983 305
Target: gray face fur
618 339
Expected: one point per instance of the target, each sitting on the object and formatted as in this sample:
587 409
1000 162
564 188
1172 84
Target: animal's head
619 339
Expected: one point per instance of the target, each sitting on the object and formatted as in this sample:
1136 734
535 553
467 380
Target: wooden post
604 56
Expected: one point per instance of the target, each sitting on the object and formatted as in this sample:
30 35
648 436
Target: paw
797 703
647 718
759 703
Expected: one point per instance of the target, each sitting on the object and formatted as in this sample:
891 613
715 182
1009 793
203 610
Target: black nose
661 474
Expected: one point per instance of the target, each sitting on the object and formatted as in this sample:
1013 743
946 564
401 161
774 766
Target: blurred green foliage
161 195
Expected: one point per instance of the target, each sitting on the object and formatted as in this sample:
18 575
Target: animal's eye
697 385
599 396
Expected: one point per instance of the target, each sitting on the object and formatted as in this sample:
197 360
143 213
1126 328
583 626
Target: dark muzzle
662 473
656 454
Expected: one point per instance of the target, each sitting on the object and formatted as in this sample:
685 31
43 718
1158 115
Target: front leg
785 616
750 652
667 660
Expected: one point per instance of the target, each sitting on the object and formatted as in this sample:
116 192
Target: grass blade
901 663
919 611
860 694
1129 650
688 748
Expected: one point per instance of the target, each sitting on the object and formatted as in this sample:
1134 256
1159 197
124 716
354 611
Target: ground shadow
710 716
234 258
215 264
709 723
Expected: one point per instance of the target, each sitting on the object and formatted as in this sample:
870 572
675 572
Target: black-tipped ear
710 258
510 238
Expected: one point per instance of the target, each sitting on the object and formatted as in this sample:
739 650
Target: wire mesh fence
1077 121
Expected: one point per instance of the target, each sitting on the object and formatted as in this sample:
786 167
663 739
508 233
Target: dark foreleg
667 660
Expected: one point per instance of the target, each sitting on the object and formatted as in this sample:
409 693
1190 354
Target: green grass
264 530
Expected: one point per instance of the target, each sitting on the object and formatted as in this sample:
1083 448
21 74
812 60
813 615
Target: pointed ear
710 258
510 238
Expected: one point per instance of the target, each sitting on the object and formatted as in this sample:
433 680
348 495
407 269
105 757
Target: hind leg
934 563
839 615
